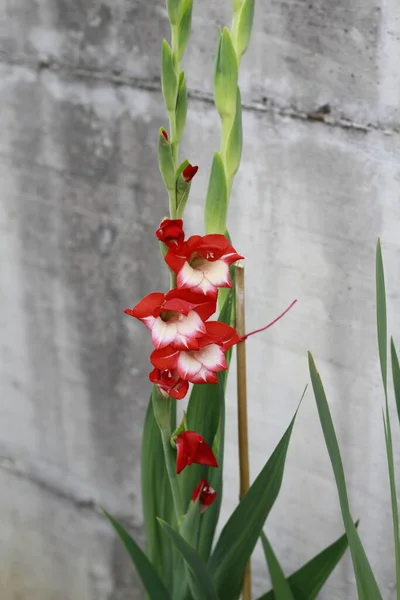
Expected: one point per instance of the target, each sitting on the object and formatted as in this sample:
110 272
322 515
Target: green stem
170 465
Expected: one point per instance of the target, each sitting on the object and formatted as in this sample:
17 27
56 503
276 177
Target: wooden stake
244 468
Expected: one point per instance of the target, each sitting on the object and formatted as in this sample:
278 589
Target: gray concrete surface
81 197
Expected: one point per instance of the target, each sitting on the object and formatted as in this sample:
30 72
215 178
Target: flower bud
235 140
205 493
216 209
225 76
171 232
169 79
184 25
181 107
173 10
244 27
165 160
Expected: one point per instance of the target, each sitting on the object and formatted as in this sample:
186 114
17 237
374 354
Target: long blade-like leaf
200 582
240 534
156 498
366 583
280 585
149 576
381 314
396 375
382 342
307 582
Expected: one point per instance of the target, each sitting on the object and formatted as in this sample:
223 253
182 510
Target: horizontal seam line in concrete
120 79
18 469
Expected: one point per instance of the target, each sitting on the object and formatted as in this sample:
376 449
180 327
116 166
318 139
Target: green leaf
181 107
225 77
148 575
201 584
245 26
235 141
281 588
240 534
366 583
166 162
382 343
169 79
184 26
216 209
381 314
156 497
307 582
396 375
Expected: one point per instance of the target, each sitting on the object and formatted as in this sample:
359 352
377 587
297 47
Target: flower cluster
188 347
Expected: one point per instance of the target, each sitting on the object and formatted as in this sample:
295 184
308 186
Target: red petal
192 448
176 257
164 358
205 306
220 334
189 172
147 306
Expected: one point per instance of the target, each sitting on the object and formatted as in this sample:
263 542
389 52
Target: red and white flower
202 263
201 365
176 318
169 383
192 448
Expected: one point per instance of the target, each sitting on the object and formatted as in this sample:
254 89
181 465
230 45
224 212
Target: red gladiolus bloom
169 383
192 448
189 173
176 318
202 263
199 366
207 495
171 232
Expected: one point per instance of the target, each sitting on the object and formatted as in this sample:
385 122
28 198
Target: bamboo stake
244 468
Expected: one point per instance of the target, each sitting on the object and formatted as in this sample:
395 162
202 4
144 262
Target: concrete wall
81 197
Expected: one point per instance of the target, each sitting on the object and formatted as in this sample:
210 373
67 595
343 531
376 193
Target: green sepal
166 162
173 10
244 27
169 79
181 427
181 107
182 190
190 526
225 76
216 208
235 141
184 26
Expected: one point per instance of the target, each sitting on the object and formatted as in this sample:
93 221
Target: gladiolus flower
169 383
189 172
192 448
202 263
176 318
207 495
199 366
170 232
